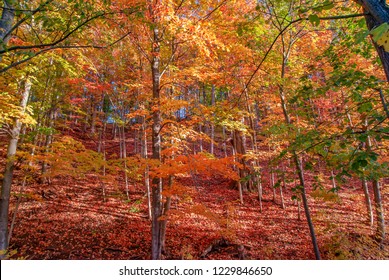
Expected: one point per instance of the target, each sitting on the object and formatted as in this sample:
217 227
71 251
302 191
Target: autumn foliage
193 130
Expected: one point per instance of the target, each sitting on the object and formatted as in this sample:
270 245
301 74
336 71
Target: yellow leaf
384 41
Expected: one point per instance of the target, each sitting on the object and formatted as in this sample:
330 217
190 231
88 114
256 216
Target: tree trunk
146 171
377 13
224 142
259 186
8 174
378 204
379 213
6 22
306 207
364 182
272 182
166 208
156 247
201 140
300 172
48 142
297 160
94 115
368 201
212 125
283 186
235 153
239 140
125 163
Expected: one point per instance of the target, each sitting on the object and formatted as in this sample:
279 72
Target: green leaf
362 23
379 31
328 5
363 163
373 156
355 166
363 137
314 19
365 107
361 36
308 166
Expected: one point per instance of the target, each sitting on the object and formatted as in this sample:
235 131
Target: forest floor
72 219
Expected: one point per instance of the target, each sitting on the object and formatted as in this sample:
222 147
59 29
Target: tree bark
378 204
379 213
300 172
299 167
166 208
125 162
377 13
368 202
6 22
8 173
212 125
48 142
157 207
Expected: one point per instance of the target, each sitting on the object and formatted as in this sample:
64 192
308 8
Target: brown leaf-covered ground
72 219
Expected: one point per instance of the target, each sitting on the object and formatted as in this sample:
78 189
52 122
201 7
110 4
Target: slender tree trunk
239 140
257 167
283 186
8 173
104 173
253 177
379 213
114 130
201 140
224 142
212 125
306 207
378 205
259 185
299 210
234 152
364 182
18 202
297 160
157 207
101 149
100 140
300 172
146 171
272 183
20 197
125 163
94 115
48 142
368 202
384 103
136 141
166 208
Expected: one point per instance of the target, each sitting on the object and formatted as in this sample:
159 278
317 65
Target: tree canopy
281 101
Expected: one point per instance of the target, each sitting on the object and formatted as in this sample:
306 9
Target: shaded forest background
194 130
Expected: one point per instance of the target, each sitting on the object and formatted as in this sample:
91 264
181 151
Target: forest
194 129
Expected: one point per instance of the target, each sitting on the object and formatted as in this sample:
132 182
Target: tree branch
33 12
63 38
2 70
278 36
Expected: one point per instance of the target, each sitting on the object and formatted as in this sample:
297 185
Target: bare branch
2 70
